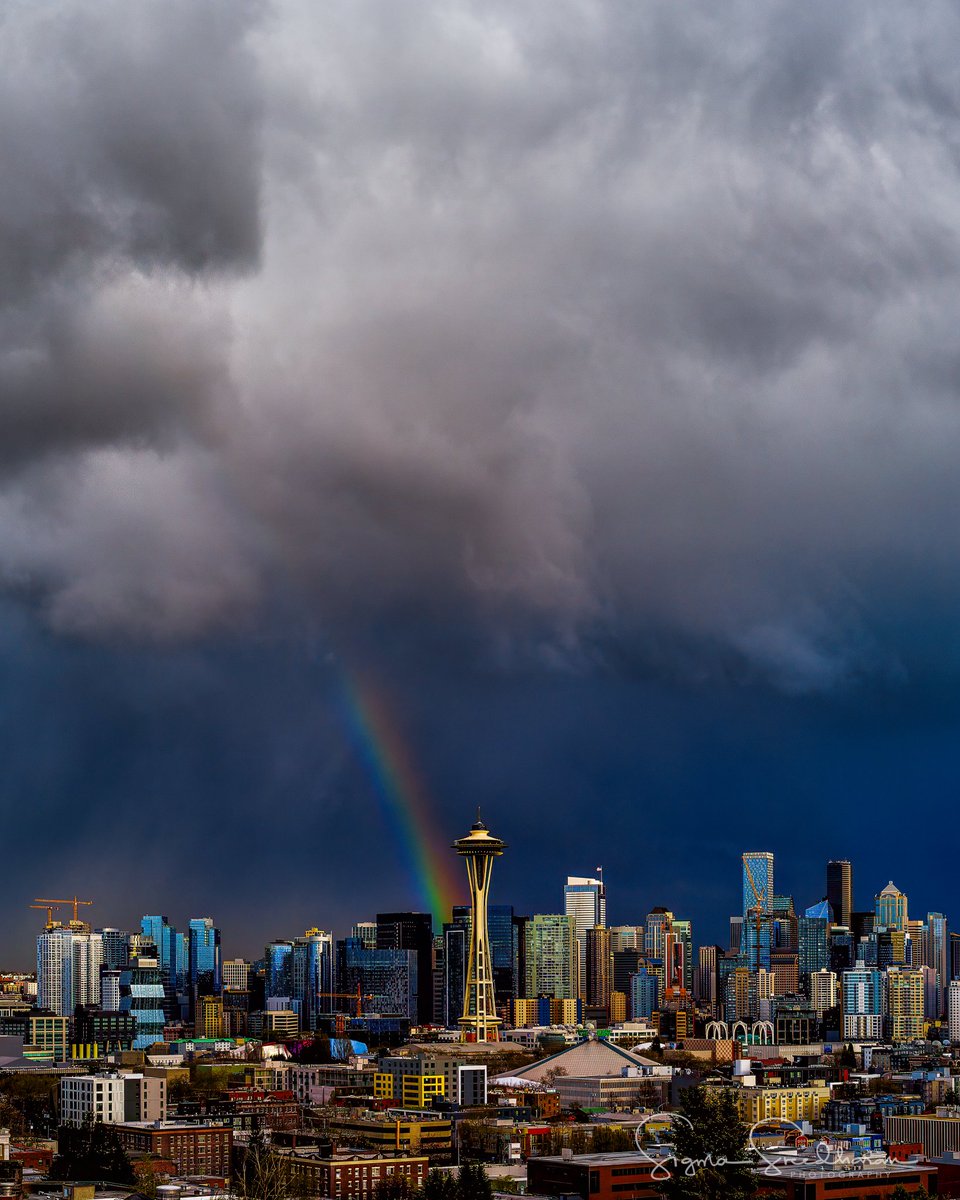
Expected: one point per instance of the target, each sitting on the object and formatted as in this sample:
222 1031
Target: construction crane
340 1022
357 996
56 903
48 909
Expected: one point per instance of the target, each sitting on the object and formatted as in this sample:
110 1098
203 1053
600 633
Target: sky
582 377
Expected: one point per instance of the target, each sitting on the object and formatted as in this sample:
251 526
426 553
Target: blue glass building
644 994
311 976
142 995
204 955
387 977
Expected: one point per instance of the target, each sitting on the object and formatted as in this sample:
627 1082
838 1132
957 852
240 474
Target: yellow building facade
785 1104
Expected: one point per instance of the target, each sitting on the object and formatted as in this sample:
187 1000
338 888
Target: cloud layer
616 323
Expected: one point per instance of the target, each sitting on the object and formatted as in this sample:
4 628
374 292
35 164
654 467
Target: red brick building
193 1149
342 1176
847 1185
624 1176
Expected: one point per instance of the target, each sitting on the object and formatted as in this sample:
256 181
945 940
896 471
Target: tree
93 1152
901 1193
394 1187
554 1073
847 1056
711 1148
265 1175
147 1182
473 1184
439 1185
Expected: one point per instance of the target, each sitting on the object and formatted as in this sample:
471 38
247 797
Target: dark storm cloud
130 166
624 322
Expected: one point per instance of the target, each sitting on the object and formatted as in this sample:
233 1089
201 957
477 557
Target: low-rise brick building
623 1176
193 1149
345 1176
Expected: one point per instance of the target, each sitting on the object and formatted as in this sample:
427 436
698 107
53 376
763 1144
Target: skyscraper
813 941
758 906
905 1003
204 955
387 977
278 970
411 931
456 938
585 900
823 991
862 1004
115 945
706 977
55 971
69 959
953 1010
840 890
479 1022
938 956
757 881
551 956
599 962
142 994
311 976
366 931
644 995
891 908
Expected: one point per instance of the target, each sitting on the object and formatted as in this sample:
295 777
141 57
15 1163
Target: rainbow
387 758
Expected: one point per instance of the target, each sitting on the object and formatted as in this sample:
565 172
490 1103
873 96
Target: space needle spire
479 1022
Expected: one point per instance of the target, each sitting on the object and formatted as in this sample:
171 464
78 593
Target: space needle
479 1022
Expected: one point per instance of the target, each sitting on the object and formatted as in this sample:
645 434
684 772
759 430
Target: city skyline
619 915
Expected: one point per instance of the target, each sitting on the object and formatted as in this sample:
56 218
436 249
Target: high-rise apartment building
891 908
863 1003
681 953
644 995
585 901
706 977
905 1003
599 967
840 890
551 956
210 1021
69 959
953 1011
824 991
109 989
115 944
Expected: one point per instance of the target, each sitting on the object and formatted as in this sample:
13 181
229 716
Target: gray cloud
617 319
